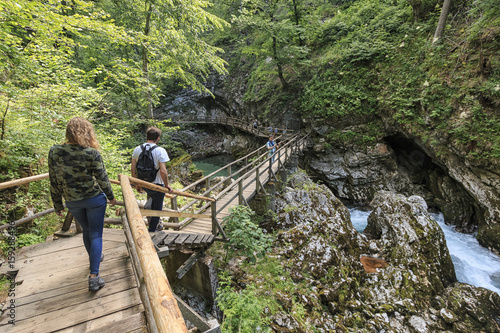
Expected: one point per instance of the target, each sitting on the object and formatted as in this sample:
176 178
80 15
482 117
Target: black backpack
146 164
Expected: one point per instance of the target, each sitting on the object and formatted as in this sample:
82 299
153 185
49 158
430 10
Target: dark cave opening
445 193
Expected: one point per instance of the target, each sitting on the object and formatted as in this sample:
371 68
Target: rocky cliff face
467 192
396 277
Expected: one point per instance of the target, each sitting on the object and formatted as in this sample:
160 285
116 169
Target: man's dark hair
153 133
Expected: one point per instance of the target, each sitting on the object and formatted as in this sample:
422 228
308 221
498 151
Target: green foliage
339 93
4 287
244 234
29 239
275 44
243 310
486 15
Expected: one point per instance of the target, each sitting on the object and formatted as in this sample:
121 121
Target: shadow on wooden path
57 299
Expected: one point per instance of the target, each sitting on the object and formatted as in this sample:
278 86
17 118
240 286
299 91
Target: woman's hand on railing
112 202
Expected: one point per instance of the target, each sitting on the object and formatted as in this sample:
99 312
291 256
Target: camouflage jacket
76 173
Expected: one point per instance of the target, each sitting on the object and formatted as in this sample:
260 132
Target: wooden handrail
168 317
168 194
21 181
26 219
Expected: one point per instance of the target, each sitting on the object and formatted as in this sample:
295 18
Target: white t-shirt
159 155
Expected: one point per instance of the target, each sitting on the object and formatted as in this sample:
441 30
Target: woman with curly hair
78 175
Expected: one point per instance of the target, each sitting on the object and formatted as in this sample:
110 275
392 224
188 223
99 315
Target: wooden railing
256 163
157 297
159 302
247 126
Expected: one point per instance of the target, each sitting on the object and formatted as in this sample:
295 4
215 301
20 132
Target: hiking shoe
96 283
159 226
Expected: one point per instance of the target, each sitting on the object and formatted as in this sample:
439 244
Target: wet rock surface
466 193
415 292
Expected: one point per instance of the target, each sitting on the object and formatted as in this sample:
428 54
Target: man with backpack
148 163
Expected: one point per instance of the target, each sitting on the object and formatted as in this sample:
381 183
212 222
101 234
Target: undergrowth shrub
244 234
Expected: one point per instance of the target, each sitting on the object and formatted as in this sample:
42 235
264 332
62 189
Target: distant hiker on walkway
255 124
271 147
77 173
148 163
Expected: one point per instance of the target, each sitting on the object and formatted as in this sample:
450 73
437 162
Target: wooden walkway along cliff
241 124
50 291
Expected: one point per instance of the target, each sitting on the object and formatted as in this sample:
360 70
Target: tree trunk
3 119
442 21
278 63
145 62
297 20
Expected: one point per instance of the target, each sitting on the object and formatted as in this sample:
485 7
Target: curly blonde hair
81 132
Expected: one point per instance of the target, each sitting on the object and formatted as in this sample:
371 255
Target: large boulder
412 242
409 287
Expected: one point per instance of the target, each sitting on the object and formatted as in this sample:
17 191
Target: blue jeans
156 204
89 213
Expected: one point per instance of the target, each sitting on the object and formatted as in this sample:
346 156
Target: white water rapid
474 264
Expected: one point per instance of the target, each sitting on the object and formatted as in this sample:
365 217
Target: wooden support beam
193 317
166 312
186 266
67 221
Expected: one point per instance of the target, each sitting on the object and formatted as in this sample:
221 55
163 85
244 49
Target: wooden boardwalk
231 199
241 124
52 292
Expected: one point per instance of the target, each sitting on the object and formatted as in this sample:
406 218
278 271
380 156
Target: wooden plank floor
53 296
230 199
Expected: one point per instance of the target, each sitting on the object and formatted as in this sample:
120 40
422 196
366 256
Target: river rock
415 292
412 242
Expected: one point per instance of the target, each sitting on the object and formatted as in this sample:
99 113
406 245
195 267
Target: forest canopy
59 59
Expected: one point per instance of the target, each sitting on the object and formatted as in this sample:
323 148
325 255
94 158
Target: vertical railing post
240 193
214 217
271 166
67 221
229 176
286 153
173 201
207 185
257 180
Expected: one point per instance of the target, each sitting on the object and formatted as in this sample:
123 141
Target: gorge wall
467 192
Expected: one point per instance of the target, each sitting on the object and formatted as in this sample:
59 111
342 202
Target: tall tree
170 35
42 82
442 21
272 29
